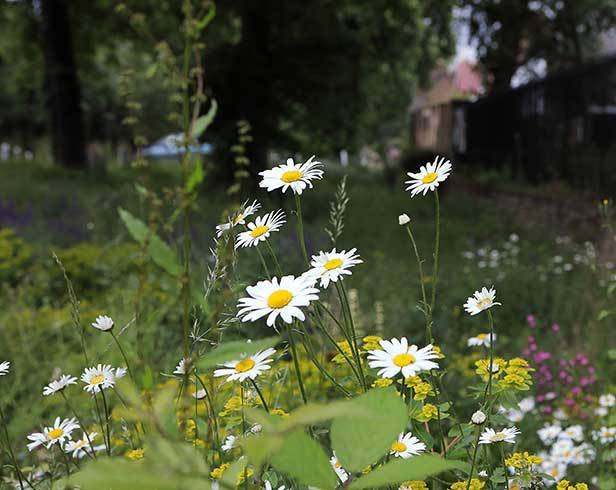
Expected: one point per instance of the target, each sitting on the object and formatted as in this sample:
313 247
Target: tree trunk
62 86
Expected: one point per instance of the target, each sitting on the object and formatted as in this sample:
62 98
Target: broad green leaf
415 468
196 176
159 251
315 413
303 459
202 123
603 314
270 423
360 440
258 449
237 349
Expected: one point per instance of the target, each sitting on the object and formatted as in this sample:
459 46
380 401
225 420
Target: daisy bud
478 417
404 219
103 323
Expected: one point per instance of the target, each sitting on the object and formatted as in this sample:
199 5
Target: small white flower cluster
525 406
566 447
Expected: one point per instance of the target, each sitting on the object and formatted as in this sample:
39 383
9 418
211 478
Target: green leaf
158 250
259 449
202 123
207 18
315 413
603 314
196 176
361 439
415 468
304 460
237 349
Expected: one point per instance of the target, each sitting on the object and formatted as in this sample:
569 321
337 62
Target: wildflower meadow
305 328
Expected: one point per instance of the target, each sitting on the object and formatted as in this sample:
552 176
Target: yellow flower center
244 365
258 231
99 378
55 433
398 447
238 218
482 336
429 178
499 436
333 264
279 299
291 176
402 360
484 302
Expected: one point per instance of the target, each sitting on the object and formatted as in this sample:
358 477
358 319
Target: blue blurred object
168 147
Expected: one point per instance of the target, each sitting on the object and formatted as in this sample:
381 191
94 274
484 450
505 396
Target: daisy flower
397 357
490 436
259 230
549 433
605 435
573 432
59 384
429 176
481 339
229 444
83 446
180 369
556 469
481 300
249 367
478 417
277 298
406 446
56 434
98 378
340 471
330 266
103 323
239 218
4 368
607 400
296 176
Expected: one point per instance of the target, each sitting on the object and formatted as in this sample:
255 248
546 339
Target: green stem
213 416
260 394
502 451
70 407
20 475
488 390
263 263
300 228
106 412
276 263
427 311
353 333
100 421
470 475
117 341
437 239
298 372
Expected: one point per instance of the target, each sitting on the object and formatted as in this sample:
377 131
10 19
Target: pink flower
532 322
555 327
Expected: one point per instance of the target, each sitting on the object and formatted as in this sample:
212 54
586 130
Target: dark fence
562 127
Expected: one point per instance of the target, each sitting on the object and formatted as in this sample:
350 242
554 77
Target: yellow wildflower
371 342
412 380
422 390
135 454
246 473
382 383
437 350
344 347
523 460
279 411
476 484
217 473
483 367
429 411
414 485
565 485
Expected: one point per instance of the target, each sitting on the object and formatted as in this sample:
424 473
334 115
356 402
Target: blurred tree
509 34
62 90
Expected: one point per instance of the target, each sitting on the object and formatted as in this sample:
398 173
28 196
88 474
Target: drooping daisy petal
260 229
82 447
180 369
397 357
406 446
4 368
480 301
103 323
239 218
292 175
490 436
276 298
331 266
249 367
59 384
58 433
429 176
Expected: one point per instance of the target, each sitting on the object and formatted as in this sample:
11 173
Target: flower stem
70 407
474 461
263 263
100 421
300 228
260 394
212 415
502 452
276 263
437 239
353 334
298 372
106 411
488 390
20 475
427 310
117 341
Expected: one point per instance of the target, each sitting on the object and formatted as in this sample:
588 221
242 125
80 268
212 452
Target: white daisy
4 368
259 230
398 357
82 447
406 446
98 378
555 469
56 434
573 432
59 384
404 219
330 266
508 434
527 404
483 339
103 323
607 400
605 435
429 176
180 369
296 176
275 298
239 218
478 417
481 300
249 367
229 443
340 471
549 433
